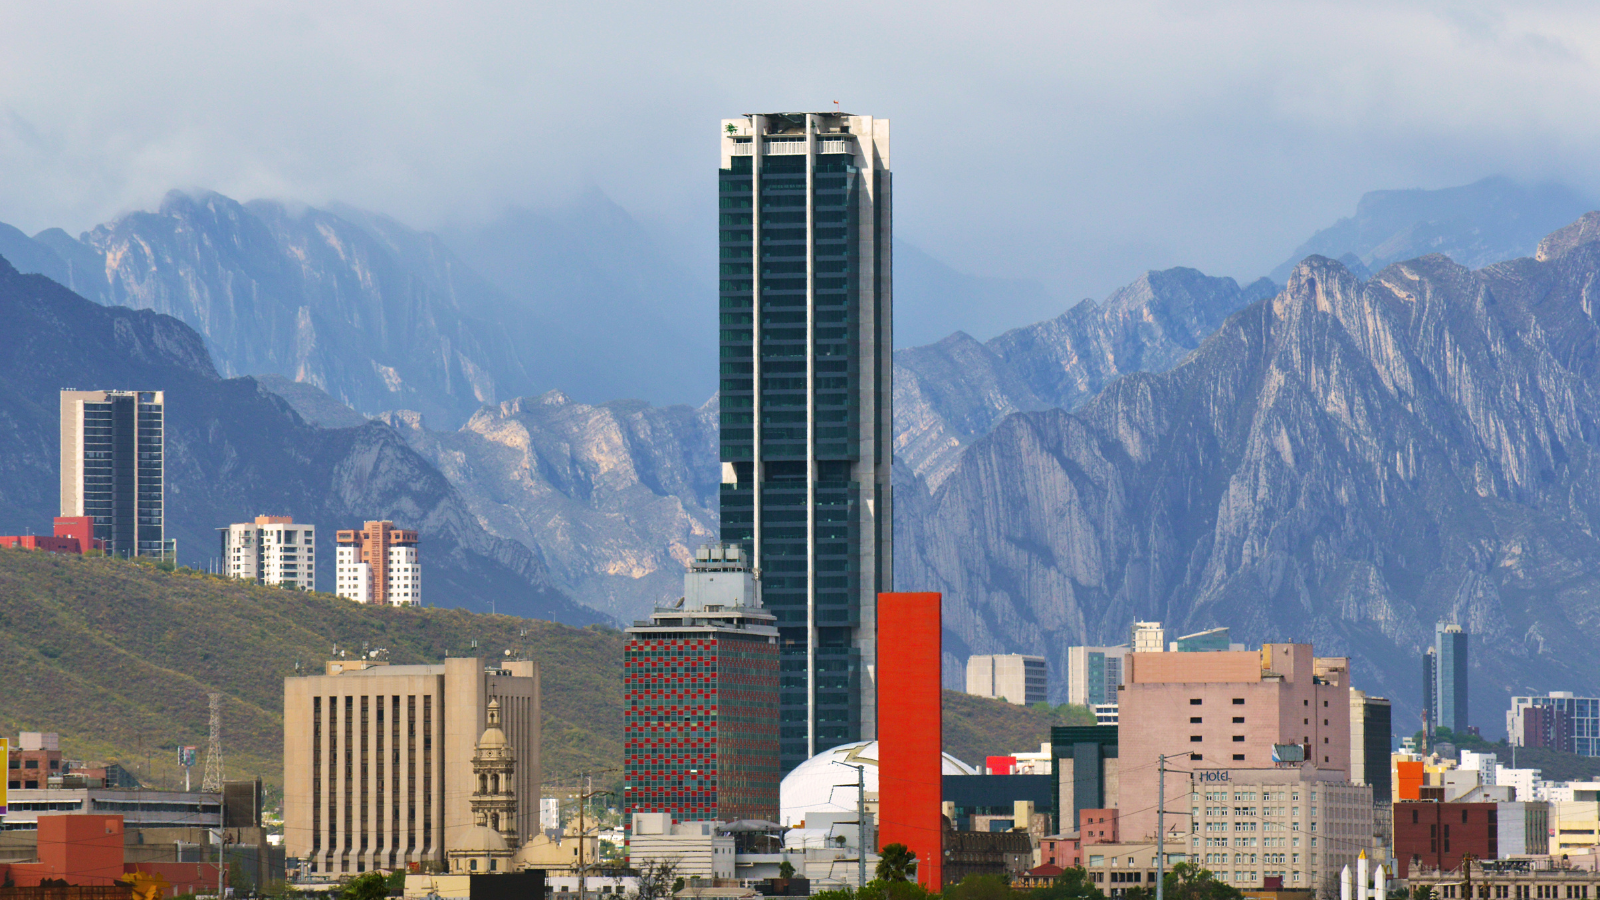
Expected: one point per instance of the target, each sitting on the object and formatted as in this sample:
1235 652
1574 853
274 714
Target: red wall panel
910 739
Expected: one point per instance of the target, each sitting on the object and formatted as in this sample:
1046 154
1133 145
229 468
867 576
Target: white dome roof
817 785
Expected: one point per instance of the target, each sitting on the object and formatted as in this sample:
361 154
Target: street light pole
861 822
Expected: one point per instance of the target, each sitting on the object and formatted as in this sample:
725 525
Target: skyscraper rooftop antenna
213 780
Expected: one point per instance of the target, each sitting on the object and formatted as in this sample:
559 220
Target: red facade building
1437 834
89 850
910 740
73 534
700 718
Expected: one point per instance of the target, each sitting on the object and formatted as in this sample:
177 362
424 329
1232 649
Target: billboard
5 753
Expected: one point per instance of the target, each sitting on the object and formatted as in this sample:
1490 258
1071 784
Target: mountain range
235 450
1344 462
1055 481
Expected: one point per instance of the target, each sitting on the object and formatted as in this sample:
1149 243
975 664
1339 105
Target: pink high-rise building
1217 711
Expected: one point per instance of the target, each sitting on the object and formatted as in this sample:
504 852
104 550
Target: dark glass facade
122 444
792 319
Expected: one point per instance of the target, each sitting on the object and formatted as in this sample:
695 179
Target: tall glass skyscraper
113 469
806 378
1450 649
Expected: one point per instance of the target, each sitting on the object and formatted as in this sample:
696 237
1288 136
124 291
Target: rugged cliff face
1344 463
615 498
949 393
235 451
375 314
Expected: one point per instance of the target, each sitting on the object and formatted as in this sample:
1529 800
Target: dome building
819 786
490 844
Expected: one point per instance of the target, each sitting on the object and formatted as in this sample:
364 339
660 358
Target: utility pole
583 801
213 779
861 822
1161 824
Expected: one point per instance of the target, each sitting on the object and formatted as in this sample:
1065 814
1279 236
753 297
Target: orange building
89 850
378 564
910 738
1409 777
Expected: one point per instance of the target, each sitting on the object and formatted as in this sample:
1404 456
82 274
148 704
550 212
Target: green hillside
118 658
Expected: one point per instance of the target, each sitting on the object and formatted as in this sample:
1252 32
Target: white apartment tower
113 469
378 564
271 550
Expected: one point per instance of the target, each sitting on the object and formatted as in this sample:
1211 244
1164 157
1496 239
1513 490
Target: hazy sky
1076 143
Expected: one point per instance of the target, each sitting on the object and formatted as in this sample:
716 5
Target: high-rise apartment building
1450 649
271 550
1011 677
378 564
378 760
1148 637
1093 675
806 381
1371 743
1559 720
700 689
112 452
1229 710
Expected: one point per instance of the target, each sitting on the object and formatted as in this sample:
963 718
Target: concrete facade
1227 710
1301 824
698 849
413 731
378 564
271 550
1011 677
1094 674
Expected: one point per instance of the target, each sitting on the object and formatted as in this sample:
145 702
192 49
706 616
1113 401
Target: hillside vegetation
118 657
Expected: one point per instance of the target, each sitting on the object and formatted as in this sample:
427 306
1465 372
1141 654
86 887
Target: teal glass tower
806 380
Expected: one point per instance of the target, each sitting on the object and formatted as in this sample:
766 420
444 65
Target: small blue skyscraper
1450 678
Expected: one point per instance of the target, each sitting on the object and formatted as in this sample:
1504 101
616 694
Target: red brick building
910 744
31 762
1438 834
700 689
73 534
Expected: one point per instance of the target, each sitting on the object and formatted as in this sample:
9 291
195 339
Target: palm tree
896 863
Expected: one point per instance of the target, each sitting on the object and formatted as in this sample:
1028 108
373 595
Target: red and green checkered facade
700 725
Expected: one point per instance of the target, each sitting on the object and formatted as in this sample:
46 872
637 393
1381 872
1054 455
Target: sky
1076 144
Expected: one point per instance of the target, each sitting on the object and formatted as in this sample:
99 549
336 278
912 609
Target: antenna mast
213 780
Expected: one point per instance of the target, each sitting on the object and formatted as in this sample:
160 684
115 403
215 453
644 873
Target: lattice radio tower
213 780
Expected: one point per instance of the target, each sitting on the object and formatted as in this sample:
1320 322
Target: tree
657 880
1188 881
1072 884
371 886
980 887
786 870
896 862
1422 892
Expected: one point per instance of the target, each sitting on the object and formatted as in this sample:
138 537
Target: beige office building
377 758
1009 677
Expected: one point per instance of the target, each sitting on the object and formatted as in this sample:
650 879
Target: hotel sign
1213 775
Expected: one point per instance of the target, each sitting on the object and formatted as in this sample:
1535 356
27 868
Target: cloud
1076 143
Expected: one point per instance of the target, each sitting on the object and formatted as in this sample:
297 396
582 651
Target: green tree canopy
896 862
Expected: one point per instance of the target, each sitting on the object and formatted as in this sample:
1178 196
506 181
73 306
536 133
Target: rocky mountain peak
1584 231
